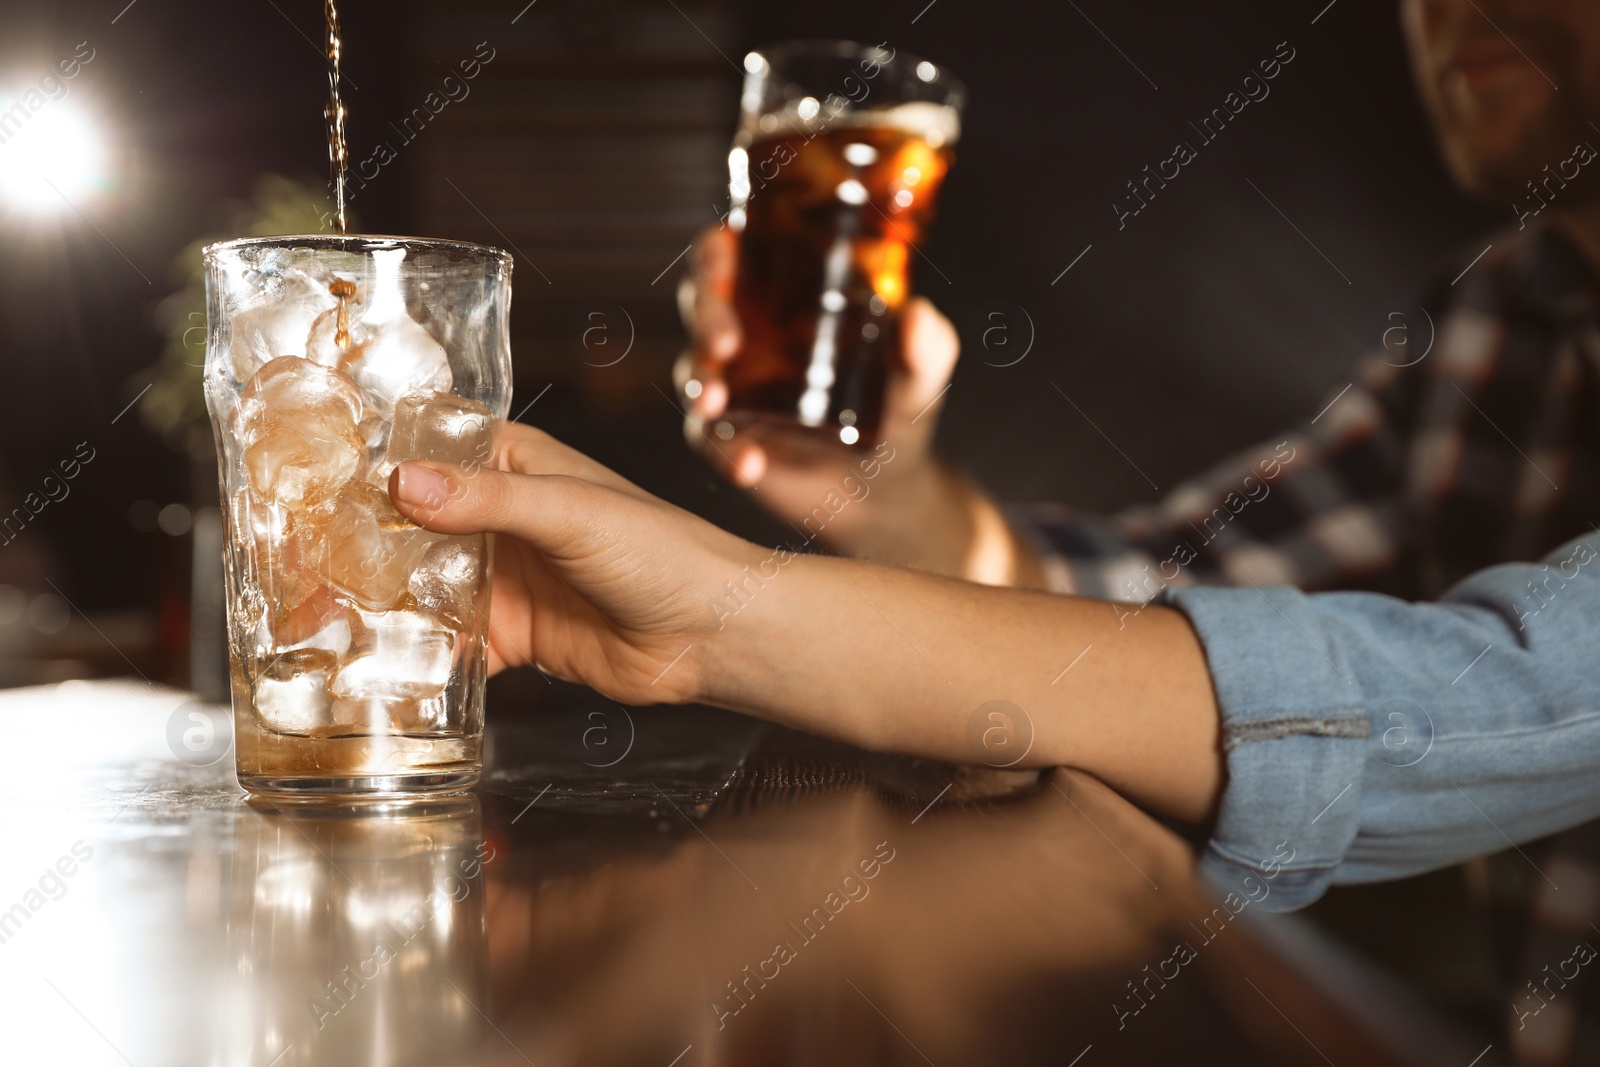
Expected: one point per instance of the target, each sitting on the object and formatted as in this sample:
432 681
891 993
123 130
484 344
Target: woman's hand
598 582
595 580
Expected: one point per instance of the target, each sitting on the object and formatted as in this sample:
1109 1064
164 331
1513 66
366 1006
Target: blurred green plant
175 405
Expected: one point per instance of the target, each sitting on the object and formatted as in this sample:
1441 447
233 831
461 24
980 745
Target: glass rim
846 49
357 243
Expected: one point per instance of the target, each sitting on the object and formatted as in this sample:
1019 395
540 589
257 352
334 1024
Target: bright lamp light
49 158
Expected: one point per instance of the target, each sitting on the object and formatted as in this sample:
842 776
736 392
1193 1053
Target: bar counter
669 887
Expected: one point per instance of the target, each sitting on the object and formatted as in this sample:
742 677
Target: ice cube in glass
445 581
297 422
398 655
291 690
281 322
372 548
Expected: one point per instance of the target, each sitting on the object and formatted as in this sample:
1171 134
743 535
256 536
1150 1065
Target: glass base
370 766
376 786
782 434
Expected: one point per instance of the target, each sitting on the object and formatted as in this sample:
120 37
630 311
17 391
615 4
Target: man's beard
1547 139
1543 155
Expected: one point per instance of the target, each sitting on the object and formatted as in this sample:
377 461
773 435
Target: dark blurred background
592 143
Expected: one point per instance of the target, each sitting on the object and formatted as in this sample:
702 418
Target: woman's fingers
549 511
524 450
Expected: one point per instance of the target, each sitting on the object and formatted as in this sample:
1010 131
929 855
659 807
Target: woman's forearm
898 660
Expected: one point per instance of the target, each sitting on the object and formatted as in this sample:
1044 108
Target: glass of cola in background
839 155
357 638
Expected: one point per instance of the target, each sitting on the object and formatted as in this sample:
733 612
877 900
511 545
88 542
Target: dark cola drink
832 193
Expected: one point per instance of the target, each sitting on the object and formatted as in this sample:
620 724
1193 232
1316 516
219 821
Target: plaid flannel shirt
1483 450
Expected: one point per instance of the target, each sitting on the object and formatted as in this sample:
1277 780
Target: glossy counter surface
684 888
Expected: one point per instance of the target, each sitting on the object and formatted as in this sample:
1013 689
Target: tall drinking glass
832 178
357 639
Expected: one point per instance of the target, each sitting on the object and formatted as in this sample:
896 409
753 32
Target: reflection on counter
847 928
714 898
358 932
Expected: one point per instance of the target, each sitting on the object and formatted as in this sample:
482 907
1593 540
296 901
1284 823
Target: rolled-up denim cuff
1294 734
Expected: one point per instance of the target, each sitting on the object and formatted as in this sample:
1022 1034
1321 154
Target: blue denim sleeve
1369 738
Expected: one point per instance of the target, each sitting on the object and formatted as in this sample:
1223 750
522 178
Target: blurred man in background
1477 445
